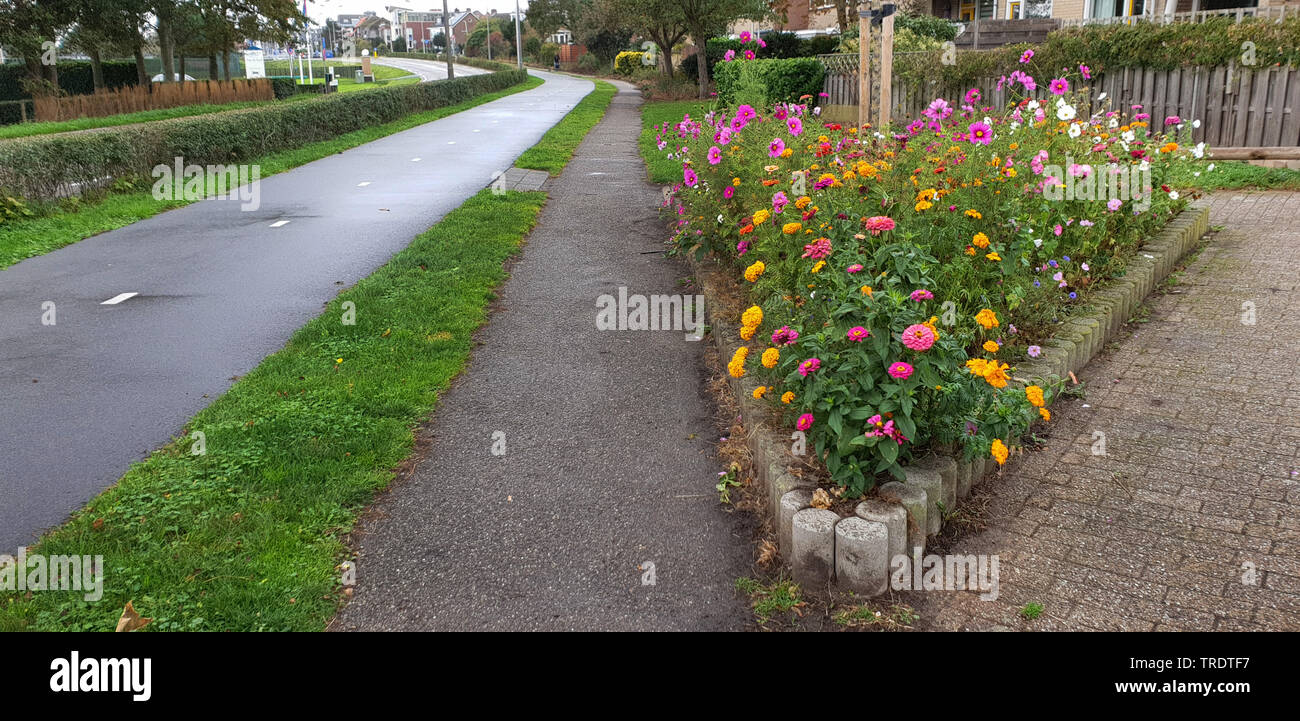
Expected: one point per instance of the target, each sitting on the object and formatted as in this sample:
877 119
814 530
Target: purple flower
1035 351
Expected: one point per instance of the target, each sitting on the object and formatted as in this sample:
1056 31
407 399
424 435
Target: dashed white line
363 184
279 223
119 298
415 160
451 142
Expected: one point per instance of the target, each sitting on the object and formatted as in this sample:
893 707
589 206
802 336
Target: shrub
927 26
948 248
48 165
763 82
589 63
74 78
548 53
628 62
715 49
783 45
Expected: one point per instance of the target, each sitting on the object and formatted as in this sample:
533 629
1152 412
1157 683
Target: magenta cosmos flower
805 422
980 132
878 223
785 335
1059 86
715 155
900 370
809 366
728 191
921 294
729 56
745 37
918 337
795 125
776 148
689 177
858 334
1027 56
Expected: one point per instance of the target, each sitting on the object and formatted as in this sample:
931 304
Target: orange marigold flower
986 318
1046 414
759 391
755 270
770 357
791 228
787 397
980 240
1035 395
999 451
737 365
991 346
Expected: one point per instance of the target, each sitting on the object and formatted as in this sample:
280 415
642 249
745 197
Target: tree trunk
225 64
96 67
141 74
181 73
703 60
213 71
166 48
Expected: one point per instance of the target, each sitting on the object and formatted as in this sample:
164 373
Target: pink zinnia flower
785 335
900 370
918 337
858 333
856 268
1173 120
878 223
805 422
818 249
921 294
779 201
777 147
809 366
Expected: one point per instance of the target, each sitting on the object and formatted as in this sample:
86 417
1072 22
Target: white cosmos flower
1033 105
1173 195
1014 126
1144 166
1101 97
1038 242
1075 130
1113 123
1196 123
1198 151
1065 112
1211 167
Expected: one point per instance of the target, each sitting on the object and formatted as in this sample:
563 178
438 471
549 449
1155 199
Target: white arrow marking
119 298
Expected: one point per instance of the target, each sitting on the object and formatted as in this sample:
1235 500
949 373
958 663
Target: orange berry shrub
898 277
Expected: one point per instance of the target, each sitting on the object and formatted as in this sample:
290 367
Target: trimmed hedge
43 166
75 77
762 83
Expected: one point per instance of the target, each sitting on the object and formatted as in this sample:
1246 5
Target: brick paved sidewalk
1201 416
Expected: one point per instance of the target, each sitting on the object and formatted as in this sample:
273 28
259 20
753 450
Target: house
372 31
1075 11
420 27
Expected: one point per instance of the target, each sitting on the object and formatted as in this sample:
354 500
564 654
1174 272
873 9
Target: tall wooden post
886 69
864 65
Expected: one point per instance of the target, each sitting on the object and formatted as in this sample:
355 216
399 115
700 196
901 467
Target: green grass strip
26 238
662 169
555 149
248 535
1234 175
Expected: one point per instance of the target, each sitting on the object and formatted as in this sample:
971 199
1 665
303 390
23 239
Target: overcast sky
319 10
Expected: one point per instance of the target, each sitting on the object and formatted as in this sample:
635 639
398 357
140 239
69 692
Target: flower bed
897 277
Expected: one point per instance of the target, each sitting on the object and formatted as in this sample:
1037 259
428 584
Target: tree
706 18
661 21
548 16
846 14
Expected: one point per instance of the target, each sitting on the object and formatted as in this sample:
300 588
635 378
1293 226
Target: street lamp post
447 41
519 40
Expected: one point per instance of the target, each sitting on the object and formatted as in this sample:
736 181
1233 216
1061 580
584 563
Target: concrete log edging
854 552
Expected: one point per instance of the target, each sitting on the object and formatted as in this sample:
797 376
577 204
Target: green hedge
1216 42
763 82
75 77
43 166
483 63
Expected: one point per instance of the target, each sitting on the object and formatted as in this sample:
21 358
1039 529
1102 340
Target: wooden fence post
864 65
886 70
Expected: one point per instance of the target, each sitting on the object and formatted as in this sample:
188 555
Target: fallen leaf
766 552
821 499
98 524
130 620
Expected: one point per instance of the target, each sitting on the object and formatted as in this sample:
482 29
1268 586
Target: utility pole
519 40
447 41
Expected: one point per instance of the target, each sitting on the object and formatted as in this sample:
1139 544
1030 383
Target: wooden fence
137 98
1239 107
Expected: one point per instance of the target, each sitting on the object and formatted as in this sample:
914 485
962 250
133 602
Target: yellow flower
972 213
1046 414
1035 395
791 228
931 325
995 374
787 153
866 290
820 264
735 182
787 397
747 331
999 451
980 240
986 318
759 391
755 270
991 346
802 202
923 205
737 365
770 357
1169 147
761 216
993 256
753 316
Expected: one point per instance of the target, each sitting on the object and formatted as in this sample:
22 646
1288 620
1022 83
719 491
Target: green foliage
42 166
764 82
13 209
74 78
927 26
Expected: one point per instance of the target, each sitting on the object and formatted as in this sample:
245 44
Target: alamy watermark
36 572
945 573
654 312
1112 183
193 183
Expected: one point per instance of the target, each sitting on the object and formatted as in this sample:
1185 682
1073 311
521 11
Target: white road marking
279 223
415 160
477 130
451 142
119 298
363 184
